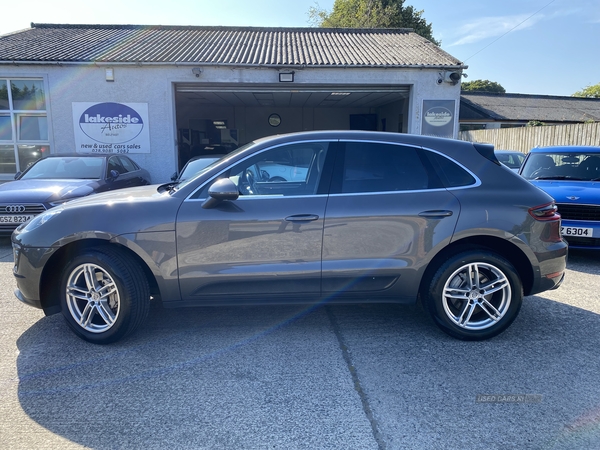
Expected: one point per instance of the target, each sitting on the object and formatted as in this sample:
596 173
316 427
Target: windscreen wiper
559 177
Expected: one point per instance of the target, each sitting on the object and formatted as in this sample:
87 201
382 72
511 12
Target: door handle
436 214
301 218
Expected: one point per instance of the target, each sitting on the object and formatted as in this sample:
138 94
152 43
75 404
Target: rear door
387 210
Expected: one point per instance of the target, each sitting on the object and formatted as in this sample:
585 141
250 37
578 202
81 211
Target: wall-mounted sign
111 127
438 118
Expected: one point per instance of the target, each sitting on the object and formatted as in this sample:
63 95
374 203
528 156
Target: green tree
483 86
589 92
535 123
371 14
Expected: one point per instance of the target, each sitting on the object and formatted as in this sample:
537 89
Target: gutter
238 66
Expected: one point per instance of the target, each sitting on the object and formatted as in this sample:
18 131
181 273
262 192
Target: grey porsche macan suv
330 216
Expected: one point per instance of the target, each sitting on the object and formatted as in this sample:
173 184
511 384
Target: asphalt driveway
339 377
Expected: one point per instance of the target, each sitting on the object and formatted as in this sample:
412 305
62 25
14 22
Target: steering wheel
250 181
538 172
276 178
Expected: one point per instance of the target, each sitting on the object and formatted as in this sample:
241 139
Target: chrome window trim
188 198
477 182
262 197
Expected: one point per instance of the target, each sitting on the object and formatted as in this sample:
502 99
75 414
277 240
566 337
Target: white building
178 89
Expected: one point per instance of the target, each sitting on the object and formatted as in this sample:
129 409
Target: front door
267 243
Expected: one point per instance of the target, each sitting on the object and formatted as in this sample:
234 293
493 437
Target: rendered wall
154 85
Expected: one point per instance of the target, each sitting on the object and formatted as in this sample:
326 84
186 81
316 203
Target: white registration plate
15 218
577 231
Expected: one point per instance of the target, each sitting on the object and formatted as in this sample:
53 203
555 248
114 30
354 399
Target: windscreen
77 167
582 166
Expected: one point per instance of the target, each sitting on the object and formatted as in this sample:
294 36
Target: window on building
23 124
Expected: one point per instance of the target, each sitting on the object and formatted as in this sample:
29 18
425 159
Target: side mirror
113 175
17 175
220 191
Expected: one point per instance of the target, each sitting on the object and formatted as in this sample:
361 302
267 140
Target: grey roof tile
241 46
525 107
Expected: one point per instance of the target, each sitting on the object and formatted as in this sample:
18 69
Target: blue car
570 174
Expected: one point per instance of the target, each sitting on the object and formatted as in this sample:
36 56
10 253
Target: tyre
104 295
474 295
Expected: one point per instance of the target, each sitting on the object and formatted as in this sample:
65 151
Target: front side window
287 170
115 164
23 123
129 165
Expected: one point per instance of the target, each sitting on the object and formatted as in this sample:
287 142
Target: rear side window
376 167
451 173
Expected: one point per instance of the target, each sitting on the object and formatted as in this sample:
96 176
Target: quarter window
451 173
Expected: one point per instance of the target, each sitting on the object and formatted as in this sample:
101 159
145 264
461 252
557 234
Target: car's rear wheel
475 295
104 295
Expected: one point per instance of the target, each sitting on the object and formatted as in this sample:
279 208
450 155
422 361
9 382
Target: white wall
153 84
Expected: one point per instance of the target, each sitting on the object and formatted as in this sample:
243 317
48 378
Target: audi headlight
40 220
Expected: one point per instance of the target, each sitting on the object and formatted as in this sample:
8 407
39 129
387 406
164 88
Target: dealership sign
111 127
438 118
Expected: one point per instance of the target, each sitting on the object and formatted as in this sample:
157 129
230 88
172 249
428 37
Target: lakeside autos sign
438 118
111 127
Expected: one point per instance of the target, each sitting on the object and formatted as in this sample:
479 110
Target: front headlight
39 220
61 202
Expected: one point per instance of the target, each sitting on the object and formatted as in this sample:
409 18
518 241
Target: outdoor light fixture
197 71
109 74
286 77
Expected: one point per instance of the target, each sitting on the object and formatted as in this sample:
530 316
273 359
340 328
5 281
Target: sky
548 47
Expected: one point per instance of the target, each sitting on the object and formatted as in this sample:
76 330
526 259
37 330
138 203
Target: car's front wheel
104 295
475 295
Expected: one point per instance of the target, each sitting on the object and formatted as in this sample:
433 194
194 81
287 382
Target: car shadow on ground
276 377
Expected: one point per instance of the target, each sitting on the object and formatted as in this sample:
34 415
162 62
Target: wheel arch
502 247
49 287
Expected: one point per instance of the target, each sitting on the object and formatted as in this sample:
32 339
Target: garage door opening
221 118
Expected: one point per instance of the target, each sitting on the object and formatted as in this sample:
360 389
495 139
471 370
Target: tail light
547 212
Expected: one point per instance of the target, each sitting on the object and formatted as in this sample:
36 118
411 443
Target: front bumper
31 302
27 270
